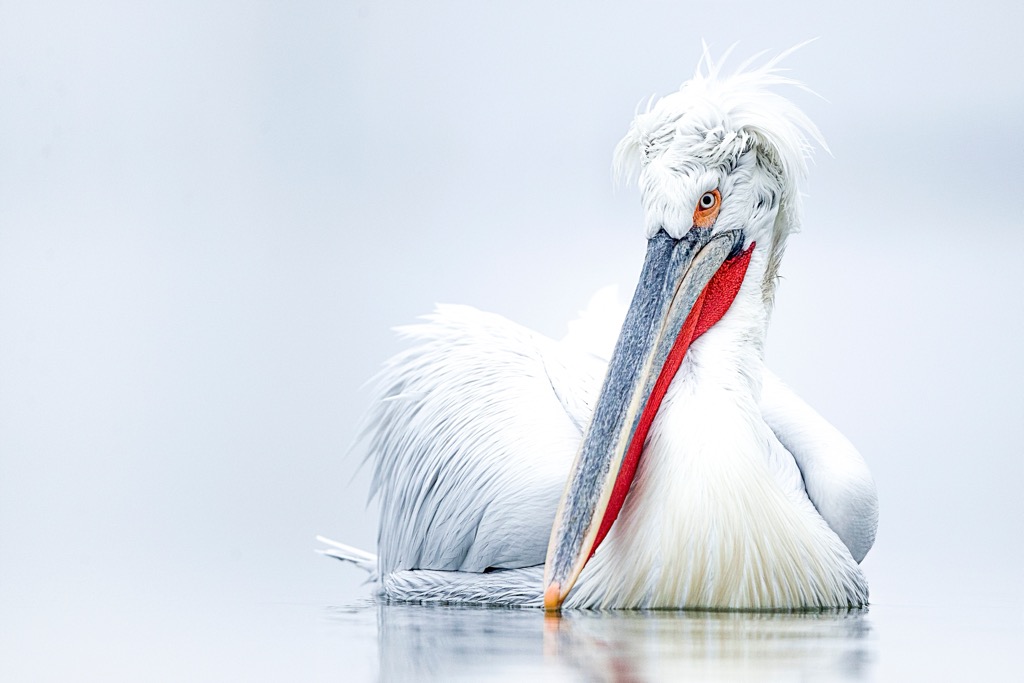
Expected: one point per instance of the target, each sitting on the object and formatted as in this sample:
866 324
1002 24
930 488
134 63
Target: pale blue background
212 213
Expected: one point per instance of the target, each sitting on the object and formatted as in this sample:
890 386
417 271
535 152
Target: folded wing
835 475
471 438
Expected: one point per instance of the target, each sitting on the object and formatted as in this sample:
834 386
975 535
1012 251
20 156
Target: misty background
211 215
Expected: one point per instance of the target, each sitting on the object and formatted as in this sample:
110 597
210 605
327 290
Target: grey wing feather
472 436
835 476
509 587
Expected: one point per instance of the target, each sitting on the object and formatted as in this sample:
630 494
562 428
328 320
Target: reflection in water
431 642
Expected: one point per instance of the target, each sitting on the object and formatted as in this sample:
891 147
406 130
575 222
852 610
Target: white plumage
473 439
744 496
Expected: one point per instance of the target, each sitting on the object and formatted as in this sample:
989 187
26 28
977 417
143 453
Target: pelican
675 471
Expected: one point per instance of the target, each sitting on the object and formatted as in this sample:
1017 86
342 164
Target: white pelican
699 480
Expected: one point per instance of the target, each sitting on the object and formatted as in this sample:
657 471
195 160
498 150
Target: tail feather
360 558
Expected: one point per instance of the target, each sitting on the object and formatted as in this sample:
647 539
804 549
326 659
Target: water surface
877 643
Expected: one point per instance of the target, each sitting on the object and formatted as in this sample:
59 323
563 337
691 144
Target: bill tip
553 598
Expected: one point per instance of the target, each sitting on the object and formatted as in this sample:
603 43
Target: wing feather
835 475
471 435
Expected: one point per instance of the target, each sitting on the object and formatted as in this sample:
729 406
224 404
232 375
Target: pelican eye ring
707 209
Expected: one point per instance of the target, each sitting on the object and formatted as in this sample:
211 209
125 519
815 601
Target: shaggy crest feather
705 127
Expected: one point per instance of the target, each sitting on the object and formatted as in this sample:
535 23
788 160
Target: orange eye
707 209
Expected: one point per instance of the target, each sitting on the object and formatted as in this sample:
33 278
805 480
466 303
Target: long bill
685 287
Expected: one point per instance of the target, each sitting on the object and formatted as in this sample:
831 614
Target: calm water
176 637
878 643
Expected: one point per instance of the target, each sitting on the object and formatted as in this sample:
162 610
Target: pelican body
675 471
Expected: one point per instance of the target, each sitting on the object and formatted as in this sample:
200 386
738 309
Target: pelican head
732 135
718 165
